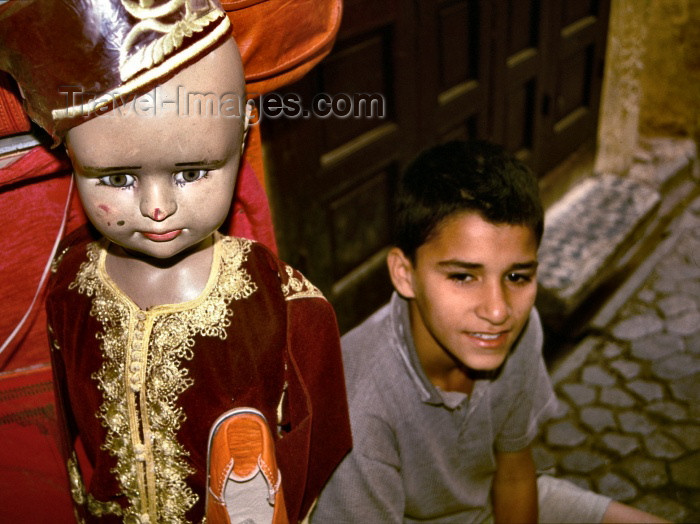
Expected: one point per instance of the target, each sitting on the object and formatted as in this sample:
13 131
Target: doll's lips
162 237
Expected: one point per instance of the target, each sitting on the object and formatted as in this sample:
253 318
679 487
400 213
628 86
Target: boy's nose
493 305
157 201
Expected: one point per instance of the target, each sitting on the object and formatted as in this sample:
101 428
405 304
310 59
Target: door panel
518 75
340 78
453 45
574 70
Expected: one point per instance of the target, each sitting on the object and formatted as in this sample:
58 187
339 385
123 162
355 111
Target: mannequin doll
158 323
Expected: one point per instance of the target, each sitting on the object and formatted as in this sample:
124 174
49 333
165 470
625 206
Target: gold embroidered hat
75 59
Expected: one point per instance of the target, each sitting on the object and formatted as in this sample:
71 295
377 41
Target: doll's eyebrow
215 164
102 171
90 170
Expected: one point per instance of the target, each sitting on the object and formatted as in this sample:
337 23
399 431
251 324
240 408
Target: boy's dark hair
464 176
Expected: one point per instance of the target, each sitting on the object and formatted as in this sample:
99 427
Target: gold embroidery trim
167 66
54 342
100 509
194 21
57 260
77 487
143 375
299 287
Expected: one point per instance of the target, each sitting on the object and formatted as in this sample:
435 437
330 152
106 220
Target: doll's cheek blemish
104 208
120 223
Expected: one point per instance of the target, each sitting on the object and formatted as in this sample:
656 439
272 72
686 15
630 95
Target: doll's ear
249 108
401 272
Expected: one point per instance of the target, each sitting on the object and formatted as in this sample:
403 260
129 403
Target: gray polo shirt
421 454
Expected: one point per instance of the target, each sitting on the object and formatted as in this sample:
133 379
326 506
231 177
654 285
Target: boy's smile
472 287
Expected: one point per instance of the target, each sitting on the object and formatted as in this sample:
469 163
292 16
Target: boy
159 324
446 383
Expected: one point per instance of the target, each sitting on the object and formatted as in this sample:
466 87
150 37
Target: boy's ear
401 272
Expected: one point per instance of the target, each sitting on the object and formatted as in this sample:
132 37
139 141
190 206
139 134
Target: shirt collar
405 347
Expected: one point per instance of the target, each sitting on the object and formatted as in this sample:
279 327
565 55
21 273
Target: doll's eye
120 180
190 175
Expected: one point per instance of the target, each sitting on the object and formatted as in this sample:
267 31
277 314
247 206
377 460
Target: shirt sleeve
367 486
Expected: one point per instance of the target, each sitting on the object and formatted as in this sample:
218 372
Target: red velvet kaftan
140 389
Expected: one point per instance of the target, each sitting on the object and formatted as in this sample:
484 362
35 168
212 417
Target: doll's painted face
157 176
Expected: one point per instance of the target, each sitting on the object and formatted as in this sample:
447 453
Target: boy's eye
519 278
190 175
460 277
120 180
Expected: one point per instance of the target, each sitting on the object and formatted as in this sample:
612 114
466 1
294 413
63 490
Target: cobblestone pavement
629 419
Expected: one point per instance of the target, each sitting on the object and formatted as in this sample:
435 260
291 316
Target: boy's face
155 176
472 287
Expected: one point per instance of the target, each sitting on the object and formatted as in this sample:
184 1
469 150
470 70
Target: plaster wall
652 78
670 77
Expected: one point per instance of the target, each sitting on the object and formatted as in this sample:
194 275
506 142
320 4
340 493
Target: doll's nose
157 202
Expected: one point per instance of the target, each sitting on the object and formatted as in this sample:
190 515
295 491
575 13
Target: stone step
601 224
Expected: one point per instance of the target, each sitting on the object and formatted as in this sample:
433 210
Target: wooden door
332 178
575 53
524 73
453 49
519 37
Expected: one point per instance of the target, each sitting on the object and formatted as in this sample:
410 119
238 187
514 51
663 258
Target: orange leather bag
281 40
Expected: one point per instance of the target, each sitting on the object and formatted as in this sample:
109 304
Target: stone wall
618 128
652 78
670 76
